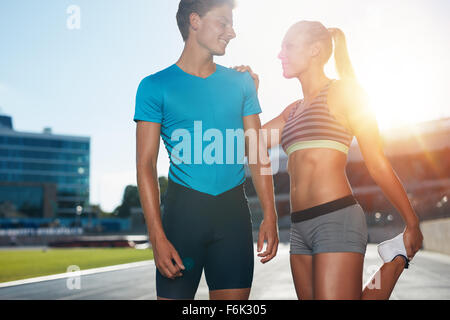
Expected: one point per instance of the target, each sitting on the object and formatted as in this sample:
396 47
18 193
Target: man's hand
254 75
268 231
164 254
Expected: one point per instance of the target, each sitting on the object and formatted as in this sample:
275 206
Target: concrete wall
436 235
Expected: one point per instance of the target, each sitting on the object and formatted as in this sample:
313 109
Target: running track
427 278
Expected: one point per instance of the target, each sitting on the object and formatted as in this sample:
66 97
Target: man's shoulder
242 80
233 73
159 76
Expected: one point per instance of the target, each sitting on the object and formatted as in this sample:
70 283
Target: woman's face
295 53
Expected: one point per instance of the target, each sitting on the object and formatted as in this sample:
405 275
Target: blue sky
83 82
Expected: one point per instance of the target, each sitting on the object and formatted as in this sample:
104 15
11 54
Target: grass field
22 264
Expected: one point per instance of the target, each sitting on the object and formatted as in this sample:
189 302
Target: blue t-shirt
201 124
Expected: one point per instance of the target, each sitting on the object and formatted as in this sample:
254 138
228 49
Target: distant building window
18 201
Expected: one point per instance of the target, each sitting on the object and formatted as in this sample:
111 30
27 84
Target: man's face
215 30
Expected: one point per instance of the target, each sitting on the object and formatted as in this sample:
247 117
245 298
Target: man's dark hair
201 7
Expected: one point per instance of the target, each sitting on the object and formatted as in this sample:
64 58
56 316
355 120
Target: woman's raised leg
383 281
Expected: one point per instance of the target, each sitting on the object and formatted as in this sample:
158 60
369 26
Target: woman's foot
392 248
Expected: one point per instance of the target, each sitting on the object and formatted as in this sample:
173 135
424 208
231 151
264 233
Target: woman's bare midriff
317 176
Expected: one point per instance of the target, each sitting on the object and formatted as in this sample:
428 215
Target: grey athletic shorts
336 226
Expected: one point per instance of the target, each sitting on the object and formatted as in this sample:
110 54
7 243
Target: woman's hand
254 75
412 238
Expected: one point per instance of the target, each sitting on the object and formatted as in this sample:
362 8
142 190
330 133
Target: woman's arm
364 126
275 126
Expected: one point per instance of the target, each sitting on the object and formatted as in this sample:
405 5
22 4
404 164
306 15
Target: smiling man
206 223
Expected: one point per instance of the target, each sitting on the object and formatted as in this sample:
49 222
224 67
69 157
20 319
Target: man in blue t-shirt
205 114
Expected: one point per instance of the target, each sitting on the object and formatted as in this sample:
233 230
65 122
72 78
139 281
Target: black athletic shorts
213 233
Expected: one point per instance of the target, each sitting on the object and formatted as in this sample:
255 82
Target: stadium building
42 175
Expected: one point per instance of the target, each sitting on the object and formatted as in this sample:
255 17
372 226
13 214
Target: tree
131 198
163 183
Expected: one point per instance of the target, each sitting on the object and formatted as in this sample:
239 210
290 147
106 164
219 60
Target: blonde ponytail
343 64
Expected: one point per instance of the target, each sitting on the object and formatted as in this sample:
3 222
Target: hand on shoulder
254 76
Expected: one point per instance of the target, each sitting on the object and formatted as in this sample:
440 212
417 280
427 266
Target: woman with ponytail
328 226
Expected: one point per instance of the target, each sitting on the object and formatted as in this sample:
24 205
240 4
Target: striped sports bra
315 127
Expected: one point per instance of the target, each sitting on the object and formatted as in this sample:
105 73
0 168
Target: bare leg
302 273
382 283
338 275
230 294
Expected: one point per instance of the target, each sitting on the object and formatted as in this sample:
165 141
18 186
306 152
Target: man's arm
147 148
260 167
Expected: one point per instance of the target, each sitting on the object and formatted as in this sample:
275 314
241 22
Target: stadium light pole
79 211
